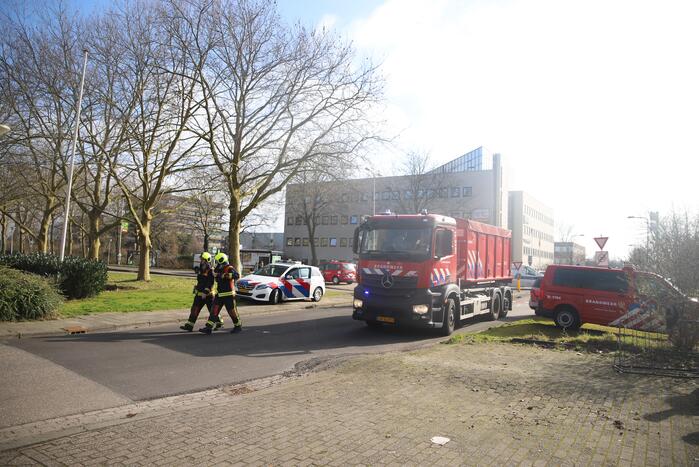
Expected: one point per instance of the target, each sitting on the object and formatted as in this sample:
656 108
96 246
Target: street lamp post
645 219
373 194
66 214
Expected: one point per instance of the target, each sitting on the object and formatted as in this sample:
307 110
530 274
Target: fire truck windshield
404 241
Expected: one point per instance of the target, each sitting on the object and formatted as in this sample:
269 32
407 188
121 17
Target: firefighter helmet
206 256
221 258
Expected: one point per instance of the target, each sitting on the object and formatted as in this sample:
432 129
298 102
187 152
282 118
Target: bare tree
160 148
422 183
275 99
38 62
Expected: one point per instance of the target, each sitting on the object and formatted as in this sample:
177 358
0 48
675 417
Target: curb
263 310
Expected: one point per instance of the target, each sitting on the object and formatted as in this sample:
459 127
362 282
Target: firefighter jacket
205 281
226 275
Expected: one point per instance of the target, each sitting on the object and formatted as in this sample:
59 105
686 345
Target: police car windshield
272 270
396 241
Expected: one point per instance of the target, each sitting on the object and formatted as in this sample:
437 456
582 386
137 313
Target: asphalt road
112 368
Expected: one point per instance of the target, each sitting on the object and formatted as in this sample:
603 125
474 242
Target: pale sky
594 105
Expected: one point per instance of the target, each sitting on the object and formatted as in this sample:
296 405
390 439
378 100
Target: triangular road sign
517 265
601 241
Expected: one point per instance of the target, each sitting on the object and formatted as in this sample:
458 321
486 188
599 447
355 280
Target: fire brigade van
279 282
574 295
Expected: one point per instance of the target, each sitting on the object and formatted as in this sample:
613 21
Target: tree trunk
3 222
234 234
70 238
43 241
145 247
206 241
93 236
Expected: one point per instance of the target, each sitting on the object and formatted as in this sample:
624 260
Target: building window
299 220
345 197
365 197
297 241
333 241
343 242
395 195
289 241
386 195
315 241
455 192
350 241
290 221
444 192
353 219
408 194
325 220
305 241
323 241
333 220
467 191
343 220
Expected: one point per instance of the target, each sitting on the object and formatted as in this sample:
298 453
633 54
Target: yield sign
601 241
517 265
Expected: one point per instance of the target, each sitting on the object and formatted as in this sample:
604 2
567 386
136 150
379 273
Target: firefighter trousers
198 304
229 303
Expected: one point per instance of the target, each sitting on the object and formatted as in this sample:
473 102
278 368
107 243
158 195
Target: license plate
244 289
386 319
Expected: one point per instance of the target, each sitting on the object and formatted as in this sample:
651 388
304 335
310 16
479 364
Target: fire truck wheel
567 318
275 297
336 280
449 320
495 307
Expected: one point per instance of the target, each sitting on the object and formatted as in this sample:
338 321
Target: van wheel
449 319
567 319
336 280
495 307
317 294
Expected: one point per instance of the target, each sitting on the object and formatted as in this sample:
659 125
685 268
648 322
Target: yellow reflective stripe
210 323
226 294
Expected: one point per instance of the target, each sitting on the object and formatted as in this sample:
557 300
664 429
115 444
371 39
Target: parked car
526 274
573 295
338 271
279 282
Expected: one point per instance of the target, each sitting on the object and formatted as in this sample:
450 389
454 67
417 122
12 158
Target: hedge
26 296
76 277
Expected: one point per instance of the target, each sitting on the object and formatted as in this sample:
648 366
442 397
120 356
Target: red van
573 295
338 271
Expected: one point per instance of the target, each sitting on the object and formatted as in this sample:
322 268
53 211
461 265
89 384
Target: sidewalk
499 404
113 321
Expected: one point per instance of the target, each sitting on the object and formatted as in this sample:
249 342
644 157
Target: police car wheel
317 294
275 297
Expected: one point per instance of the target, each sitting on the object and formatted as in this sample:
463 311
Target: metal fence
659 336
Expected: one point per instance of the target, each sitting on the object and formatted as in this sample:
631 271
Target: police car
281 282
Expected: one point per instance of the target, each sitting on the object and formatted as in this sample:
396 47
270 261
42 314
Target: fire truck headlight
420 309
358 303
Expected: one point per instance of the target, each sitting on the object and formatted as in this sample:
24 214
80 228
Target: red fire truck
430 270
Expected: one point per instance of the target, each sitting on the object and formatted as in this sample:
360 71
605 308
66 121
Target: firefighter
203 293
225 275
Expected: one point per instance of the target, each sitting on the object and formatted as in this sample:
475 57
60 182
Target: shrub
26 296
76 277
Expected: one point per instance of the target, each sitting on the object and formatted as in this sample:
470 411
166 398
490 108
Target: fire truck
430 270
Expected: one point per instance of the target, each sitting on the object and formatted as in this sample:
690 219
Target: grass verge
124 294
540 331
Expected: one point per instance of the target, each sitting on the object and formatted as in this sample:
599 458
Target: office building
531 223
568 253
471 186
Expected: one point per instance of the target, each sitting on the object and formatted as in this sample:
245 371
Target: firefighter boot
208 328
237 327
188 326
218 325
